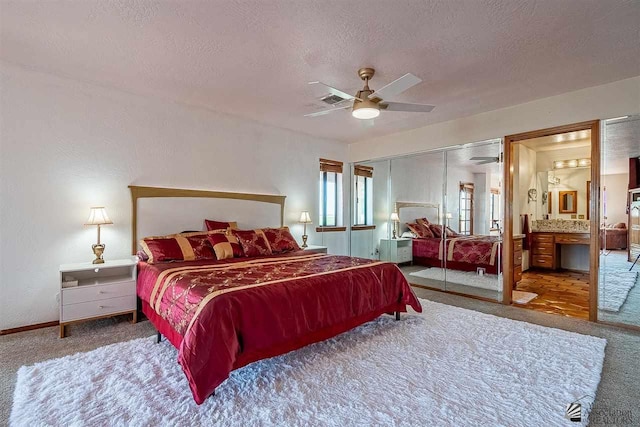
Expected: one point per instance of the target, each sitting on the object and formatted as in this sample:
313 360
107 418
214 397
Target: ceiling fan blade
485 160
396 87
335 91
404 106
323 112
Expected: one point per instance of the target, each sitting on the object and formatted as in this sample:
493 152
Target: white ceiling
253 58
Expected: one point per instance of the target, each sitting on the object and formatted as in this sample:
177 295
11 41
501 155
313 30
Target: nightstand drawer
91 309
404 253
82 294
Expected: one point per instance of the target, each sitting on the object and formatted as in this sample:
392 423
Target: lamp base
98 250
304 240
394 235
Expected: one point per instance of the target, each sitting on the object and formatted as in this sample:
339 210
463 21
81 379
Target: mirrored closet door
438 215
473 220
619 281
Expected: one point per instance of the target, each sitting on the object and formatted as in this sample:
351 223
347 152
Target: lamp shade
305 218
448 215
98 216
394 216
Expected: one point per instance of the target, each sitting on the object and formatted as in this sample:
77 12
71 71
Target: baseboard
29 327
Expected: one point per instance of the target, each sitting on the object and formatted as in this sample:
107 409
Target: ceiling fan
367 103
486 160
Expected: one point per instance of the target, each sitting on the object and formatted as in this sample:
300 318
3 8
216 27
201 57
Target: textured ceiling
253 58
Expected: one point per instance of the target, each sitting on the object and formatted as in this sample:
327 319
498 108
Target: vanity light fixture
572 163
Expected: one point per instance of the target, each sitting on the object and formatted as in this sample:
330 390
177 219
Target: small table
93 291
316 248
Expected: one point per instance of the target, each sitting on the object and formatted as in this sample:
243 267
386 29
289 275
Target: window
466 208
495 209
330 193
363 191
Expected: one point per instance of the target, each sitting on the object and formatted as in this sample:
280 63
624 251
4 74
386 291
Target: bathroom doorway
551 207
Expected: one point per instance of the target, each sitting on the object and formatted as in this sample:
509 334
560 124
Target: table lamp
305 219
98 216
395 218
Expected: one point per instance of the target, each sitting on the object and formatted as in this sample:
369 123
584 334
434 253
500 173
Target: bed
224 314
458 252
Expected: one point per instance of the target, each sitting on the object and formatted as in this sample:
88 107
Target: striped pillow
225 246
280 240
253 242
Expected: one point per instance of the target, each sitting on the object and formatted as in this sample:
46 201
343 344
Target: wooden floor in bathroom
559 292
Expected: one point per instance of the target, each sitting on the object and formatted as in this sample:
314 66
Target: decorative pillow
177 247
220 225
142 255
423 221
253 242
408 235
436 230
280 240
225 246
451 233
420 231
620 225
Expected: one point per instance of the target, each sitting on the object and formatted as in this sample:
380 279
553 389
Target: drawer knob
101 306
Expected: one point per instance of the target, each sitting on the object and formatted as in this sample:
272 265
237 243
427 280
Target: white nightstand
315 248
396 250
92 291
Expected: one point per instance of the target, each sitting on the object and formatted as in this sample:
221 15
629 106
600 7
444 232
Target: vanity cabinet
543 251
545 247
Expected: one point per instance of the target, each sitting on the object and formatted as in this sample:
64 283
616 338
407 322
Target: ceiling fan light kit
367 103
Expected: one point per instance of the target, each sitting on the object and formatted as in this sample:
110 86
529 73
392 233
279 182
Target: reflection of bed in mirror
453 251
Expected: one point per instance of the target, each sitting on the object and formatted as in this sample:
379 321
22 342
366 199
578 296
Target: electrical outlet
480 271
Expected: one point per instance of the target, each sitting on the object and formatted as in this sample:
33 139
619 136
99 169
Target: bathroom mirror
568 202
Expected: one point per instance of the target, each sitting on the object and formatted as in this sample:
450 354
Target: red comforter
470 249
225 314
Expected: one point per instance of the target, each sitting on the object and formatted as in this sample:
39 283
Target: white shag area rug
446 367
615 281
491 282
522 297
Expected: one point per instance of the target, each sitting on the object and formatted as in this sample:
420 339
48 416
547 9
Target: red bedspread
228 313
474 250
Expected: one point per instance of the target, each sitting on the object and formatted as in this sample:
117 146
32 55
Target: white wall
66 146
611 100
616 197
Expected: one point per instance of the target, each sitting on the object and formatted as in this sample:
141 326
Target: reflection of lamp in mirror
448 216
395 219
98 216
305 219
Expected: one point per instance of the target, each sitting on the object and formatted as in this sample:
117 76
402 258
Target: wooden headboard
138 192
